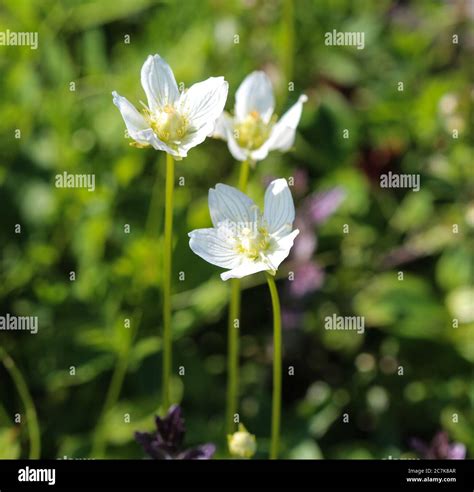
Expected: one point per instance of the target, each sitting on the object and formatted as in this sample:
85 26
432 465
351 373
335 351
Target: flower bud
242 444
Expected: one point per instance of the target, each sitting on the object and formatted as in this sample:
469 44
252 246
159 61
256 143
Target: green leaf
406 307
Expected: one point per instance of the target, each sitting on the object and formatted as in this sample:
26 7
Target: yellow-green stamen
170 125
252 132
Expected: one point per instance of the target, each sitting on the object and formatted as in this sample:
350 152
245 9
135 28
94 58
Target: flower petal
134 121
227 203
210 246
279 211
191 140
137 126
235 149
159 145
158 82
223 124
283 133
255 94
171 428
202 452
225 129
261 153
285 244
244 269
204 102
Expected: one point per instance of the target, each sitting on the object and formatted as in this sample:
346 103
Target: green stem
244 175
31 416
233 329
153 218
277 371
233 351
167 345
289 33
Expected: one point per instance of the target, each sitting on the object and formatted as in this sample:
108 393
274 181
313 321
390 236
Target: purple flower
439 448
308 277
305 243
314 210
319 206
166 442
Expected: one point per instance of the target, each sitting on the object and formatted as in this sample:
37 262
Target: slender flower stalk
288 13
251 133
167 268
244 175
245 241
31 416
233 355
233 330
172 121
276 398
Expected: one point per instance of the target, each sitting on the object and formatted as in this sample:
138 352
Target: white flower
173 121
242 239
253 131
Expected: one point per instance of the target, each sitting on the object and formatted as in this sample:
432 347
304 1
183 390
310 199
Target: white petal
229 204
207 244
246 268
235 149
158 82
204 102
193 139
137 126
255 94
223 124
157 144
261 153
285 244
283 133
134 121
279 211
225 129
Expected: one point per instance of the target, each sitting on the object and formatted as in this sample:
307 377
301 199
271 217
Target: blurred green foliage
409 323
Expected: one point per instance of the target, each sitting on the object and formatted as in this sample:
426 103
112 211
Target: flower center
253 241
252 132
168 124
